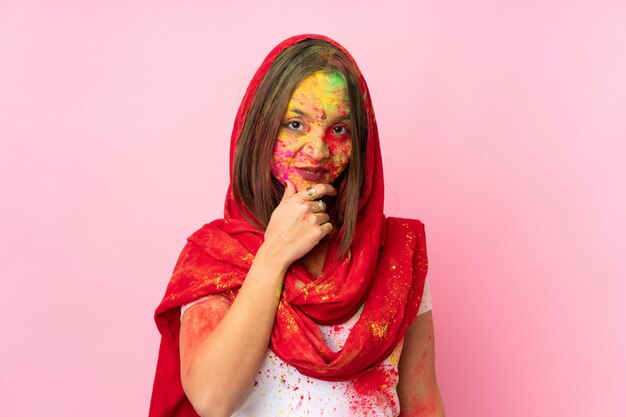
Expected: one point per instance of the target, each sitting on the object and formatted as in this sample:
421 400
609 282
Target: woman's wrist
272 258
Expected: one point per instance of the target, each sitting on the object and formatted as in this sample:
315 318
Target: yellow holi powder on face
315 132
321 94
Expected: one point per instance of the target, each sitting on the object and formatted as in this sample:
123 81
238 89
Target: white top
280 390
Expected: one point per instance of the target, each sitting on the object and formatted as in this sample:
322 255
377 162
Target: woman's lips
311 173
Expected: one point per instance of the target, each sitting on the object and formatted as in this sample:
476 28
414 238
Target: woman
304 299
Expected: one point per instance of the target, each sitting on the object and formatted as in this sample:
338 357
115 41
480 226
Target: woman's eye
340 130
295 125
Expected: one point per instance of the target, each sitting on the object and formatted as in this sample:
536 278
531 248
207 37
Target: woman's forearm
220 369
418 390
432 407
222 347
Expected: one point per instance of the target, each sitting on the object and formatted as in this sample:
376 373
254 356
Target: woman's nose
316 147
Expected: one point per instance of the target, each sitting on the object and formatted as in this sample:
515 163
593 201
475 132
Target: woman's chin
302 184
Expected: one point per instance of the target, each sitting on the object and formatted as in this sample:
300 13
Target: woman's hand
297 224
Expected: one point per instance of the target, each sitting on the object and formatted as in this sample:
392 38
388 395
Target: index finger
320 190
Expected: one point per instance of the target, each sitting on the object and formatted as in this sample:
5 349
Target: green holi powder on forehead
331 86
336 83
336 80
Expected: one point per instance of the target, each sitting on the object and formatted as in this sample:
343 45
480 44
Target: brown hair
253 185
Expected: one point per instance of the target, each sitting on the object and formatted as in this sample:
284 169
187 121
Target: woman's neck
314 260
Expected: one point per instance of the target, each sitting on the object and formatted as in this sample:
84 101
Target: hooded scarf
384 273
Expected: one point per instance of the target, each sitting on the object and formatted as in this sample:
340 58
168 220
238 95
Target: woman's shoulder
400 232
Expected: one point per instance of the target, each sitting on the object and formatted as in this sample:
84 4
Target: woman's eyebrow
305 114
298 111
342 117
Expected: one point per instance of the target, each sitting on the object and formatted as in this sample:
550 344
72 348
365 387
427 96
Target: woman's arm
418 390
222 347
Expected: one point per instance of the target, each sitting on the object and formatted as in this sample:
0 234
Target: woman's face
314 141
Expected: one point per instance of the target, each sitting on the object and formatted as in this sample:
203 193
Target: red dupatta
386 271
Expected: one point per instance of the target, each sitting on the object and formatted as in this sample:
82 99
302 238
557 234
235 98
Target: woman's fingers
319 218
317 191
313 194
326 228
290 190
317 206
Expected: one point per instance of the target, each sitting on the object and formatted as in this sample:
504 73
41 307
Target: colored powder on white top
280 390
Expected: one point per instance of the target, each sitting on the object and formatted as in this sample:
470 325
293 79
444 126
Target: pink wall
503 129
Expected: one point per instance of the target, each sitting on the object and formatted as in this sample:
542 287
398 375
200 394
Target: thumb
290 190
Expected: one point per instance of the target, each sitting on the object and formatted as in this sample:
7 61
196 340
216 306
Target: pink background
503 129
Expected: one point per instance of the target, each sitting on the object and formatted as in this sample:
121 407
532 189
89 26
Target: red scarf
386 270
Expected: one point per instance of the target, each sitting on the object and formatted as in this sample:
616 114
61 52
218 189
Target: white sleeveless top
280 390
